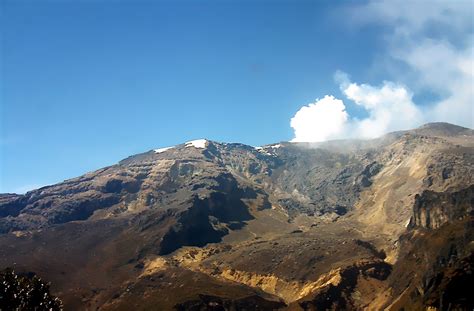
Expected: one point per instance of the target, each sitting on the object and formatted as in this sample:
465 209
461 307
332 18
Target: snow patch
160 150
198 143
263 150
268 149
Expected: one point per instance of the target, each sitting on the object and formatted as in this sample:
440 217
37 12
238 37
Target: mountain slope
289 225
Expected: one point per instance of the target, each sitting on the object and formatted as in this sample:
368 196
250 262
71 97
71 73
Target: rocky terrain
341 225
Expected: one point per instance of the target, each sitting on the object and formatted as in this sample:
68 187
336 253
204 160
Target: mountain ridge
443 128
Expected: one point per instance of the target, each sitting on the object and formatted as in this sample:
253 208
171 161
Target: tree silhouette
18 292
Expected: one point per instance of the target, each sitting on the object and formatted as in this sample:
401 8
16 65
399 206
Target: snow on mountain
160 150
198 143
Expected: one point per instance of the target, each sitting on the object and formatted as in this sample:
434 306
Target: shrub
18 292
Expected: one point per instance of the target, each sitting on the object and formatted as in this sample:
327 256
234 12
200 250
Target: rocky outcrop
434 268
11 204
338 295
450 288
208 219
433 209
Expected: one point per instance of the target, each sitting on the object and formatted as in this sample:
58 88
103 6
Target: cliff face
384 223
434 209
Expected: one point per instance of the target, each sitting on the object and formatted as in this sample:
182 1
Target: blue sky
85 84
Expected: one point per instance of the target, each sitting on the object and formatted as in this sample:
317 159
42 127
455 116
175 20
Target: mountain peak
442 128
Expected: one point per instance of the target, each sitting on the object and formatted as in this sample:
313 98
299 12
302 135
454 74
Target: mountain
344 225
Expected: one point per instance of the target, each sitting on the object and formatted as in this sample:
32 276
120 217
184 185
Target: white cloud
413 17
447 71
436 43
319 121
389 107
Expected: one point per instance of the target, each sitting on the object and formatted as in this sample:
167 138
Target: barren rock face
433 209
384 223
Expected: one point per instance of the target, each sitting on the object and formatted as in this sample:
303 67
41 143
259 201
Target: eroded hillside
385 223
